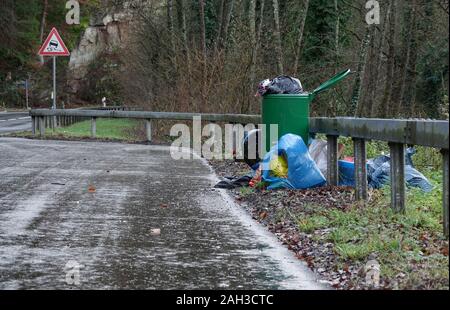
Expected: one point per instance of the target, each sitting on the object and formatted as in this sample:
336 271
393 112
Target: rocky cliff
108 32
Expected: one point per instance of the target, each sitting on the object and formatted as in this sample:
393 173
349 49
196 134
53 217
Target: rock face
106 33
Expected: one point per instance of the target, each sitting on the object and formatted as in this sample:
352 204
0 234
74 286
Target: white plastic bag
318 152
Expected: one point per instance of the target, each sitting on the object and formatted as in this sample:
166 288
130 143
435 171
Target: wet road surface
50 221
14 121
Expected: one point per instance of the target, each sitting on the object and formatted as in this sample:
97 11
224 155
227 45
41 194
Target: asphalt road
83 215
14 121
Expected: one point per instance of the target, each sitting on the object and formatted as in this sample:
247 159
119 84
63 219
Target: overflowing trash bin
294 163
289 109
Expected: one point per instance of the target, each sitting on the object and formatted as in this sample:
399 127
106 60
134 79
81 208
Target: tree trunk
42 28
255 38
386 101
252 30
373 103
203 48
407 67
260 25
225 23
335 108
171 33
356 103
219 19
182 26
277 33
301 30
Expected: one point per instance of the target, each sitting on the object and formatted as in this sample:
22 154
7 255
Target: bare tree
222 5
255 37
227 11
362 61
261 20
252 28
385 102
171 32
301 30
410 25
182 26
277 34
373 90
42 27
334 109
203 47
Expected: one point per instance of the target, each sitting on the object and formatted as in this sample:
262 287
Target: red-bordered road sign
54 45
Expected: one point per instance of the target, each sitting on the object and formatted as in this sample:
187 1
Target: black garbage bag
251 148
280 85
230 182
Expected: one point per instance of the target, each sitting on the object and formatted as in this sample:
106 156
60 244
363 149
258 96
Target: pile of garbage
291 164
379 170
280 85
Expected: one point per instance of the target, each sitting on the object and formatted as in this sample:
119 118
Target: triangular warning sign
54 45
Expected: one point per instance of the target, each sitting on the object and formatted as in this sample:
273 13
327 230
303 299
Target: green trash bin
291 112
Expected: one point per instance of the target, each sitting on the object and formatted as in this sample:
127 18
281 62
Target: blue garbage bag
302 170
379 171
416 179
346 173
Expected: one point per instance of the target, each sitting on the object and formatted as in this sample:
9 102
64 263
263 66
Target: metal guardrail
398 134
231 118
430 133
114 108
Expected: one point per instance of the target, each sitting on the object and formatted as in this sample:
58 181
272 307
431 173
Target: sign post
54 46
54 83
26 93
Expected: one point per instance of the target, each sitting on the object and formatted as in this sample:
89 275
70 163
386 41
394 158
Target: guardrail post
359 146
148 129
93 127
41 126
332 160
445 190
398 187
33 125
36 124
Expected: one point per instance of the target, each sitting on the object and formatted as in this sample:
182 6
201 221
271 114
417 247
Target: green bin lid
331 82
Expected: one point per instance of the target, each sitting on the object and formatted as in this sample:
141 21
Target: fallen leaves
263 215
92 189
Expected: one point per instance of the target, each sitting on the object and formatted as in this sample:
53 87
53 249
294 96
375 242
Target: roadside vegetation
338 237
107 129
409 247
118 129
